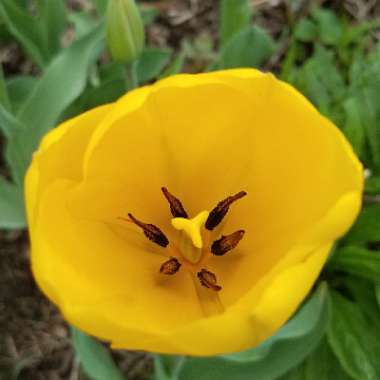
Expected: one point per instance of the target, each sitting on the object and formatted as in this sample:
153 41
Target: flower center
193 251
192 228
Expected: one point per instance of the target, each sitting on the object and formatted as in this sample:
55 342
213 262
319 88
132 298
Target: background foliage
330 58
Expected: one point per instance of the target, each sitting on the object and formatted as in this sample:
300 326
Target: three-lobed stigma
193 230
192 227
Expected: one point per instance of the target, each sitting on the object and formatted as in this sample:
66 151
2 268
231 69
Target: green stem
131 76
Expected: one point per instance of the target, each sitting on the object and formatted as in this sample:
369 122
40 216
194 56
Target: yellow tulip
191 216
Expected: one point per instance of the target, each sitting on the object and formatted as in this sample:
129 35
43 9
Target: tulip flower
192 216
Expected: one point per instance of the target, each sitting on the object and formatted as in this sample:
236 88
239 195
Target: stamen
170 267
152 232
219 212
176 207
226 243
208 280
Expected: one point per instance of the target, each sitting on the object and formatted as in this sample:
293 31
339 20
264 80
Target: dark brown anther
226 243
219 212
171 266
208 280
176 207
152 232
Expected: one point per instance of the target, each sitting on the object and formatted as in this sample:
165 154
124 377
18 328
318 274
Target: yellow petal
83 264
60 155
260 136
240 328
287 290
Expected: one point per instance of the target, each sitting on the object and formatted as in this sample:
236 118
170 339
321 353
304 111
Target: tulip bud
125 30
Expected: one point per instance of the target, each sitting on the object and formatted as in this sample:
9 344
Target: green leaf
105 93
275 356
370 111
19 88
101 6
174 67
364 71
354 341
148 14
22 3
305 31
11 205
167 367
320 81
364 294
357 261
112 71
377 290
95 359
25 30
4 98
355 33
322 364
251 47
151 63
235 16
354 129
364 86
54 92
367 227
372 185
39 35
8 123
83 23
52 19
288 66
330 29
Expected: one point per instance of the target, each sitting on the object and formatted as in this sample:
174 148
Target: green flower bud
125 30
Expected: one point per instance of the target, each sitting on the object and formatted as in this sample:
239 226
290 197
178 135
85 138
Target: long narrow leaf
357 261
63 81
11 205
8 123
151 63
19 87
322 364
25 30
354 341
101 6
235 16
52 16
251 47
4 98
95 359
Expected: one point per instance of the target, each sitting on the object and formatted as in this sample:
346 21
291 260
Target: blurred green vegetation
332 59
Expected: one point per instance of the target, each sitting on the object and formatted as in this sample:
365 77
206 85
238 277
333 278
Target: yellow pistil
192 227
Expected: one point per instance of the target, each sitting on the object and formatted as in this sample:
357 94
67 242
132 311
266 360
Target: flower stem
131 76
